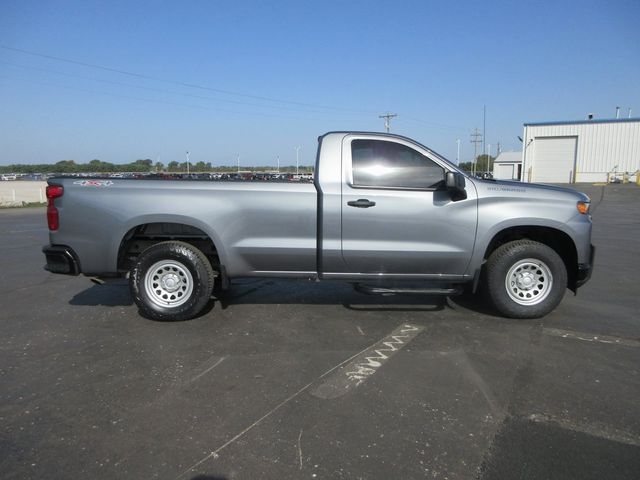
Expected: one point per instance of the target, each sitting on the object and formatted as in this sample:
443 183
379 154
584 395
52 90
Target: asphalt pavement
303 380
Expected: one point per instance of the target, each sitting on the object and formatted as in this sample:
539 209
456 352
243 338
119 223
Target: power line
433 124
160 90
345 111
163 102
174 82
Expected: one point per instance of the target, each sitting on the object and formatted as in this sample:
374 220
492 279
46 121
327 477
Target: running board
377 290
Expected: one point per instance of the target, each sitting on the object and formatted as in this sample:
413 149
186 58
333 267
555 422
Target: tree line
139 166
484 163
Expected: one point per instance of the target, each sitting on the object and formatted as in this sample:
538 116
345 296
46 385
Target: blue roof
575 122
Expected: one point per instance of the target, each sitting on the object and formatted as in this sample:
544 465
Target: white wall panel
601 146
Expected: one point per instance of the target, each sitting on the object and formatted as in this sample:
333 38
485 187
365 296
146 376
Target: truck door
397 217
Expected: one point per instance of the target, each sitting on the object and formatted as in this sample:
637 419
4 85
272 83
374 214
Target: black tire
171 281
537 279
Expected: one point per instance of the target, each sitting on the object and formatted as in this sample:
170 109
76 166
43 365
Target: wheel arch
145 232
554 238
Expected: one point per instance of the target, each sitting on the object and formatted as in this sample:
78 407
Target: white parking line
215 453
400 336
29 230
589 337
358 370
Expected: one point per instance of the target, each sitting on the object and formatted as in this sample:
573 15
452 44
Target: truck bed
259 228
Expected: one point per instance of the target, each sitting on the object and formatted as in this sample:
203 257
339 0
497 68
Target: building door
503 171
554 160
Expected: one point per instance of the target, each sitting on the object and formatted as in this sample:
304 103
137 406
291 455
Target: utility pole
278 160
484 127
387 120
458 154
476 138
297 161
498 149
238 160
187 162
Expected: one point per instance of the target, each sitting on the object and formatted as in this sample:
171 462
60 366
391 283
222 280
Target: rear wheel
525 279
171 281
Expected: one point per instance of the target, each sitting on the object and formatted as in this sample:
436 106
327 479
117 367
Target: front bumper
585 269
61 259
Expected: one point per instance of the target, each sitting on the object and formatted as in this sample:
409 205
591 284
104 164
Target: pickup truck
384 212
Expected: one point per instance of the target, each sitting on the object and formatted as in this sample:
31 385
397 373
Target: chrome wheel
168 283
529 281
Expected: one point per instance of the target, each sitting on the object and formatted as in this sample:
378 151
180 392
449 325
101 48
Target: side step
385 291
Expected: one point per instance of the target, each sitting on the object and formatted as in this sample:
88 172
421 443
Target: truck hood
529 189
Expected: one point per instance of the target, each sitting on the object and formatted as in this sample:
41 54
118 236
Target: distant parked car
33 177
484 175
9 176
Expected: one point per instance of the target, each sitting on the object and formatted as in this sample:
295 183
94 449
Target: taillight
53 192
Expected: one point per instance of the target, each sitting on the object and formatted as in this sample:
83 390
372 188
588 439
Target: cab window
382 164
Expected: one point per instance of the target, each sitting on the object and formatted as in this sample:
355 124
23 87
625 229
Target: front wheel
525 279
171 281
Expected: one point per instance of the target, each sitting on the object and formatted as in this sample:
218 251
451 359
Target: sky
121 80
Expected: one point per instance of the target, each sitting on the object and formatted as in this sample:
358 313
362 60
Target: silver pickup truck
384 213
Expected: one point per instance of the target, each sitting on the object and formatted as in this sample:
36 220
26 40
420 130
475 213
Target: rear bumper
61 259
585 269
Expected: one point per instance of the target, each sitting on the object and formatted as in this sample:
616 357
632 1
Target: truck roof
390 135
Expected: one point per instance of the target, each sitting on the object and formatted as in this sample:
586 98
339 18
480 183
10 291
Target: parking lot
292 379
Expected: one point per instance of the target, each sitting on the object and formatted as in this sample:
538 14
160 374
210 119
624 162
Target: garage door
503 171
555 160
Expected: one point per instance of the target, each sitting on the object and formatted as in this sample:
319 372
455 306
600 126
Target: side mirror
455 184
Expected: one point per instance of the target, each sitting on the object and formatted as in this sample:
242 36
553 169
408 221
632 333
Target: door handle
361 203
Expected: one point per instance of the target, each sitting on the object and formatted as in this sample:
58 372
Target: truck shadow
108 295
474 303
292 292
305 292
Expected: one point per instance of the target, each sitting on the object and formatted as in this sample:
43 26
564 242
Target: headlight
583 207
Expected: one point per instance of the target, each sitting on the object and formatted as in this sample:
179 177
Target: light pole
278 161
458 154
187 162
238 159
297 161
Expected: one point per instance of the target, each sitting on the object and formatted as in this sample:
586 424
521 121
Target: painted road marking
358 370
594 429
216 453
589 337
399 338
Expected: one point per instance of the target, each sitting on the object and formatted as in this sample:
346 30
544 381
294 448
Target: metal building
582 151
508 166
